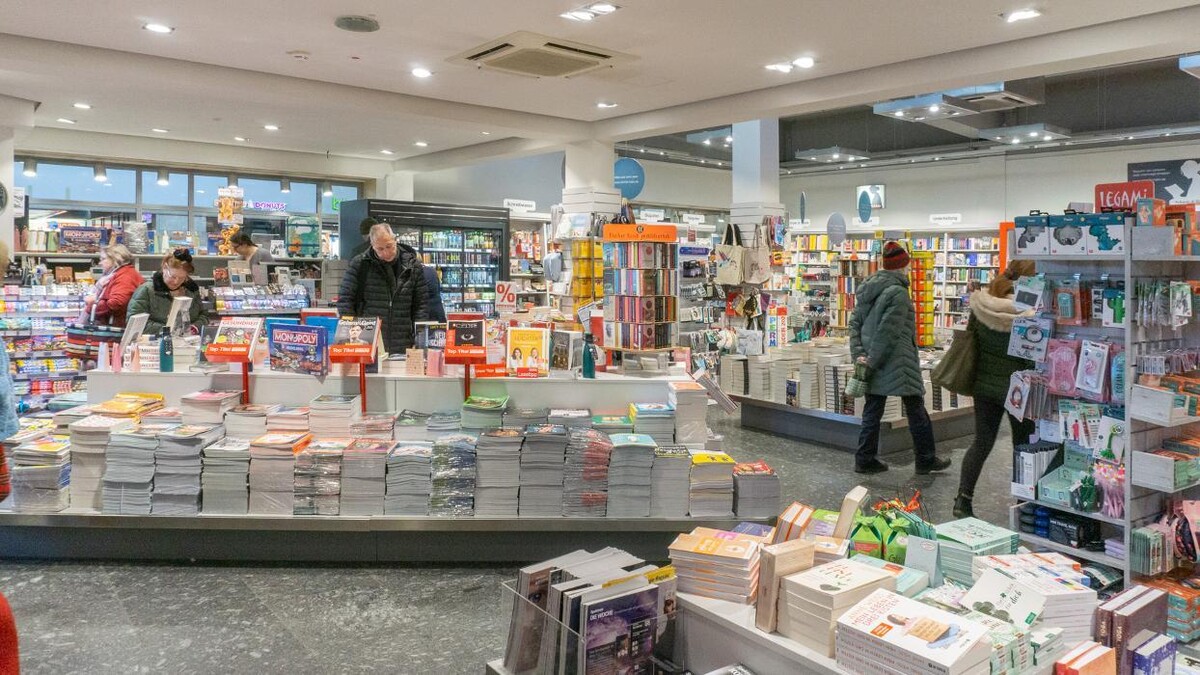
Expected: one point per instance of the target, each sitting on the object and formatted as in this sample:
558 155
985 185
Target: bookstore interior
219 350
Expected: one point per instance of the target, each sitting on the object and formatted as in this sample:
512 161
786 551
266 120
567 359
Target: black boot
962 507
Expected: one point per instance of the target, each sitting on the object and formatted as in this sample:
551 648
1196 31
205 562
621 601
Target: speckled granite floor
130 618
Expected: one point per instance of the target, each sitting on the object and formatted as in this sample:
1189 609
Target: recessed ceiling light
1016 141
704 161
602 7
160 28
997 138
1021 15
662 153
837 155
386 152
158 130
606 104
727 145
1033 134
486 133
63 120
271 127
899 113
862 166
422 73
720 163
729 139
780 67
1167 134
578 15
83 106
934 108
1129 138
708 141
1047 137
805 62
421 144
937 159
240 139
643 150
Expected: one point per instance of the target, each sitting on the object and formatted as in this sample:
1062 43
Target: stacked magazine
226 467
542 470
574 418
670 482
364 477
962 540
498 471
177 468
756 490
287 418
522 417
208 406
331 415
409 479
482 412
410 426
41 474
585 474
629 475
380 426
129 470
89 439
711 494
443 422
318 478
272 470
248 421
691 409
453 469
612 424
656 420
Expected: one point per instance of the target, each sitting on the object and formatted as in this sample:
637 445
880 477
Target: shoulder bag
730 257
756 261
956 370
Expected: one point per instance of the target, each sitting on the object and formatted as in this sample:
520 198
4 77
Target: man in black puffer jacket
386 281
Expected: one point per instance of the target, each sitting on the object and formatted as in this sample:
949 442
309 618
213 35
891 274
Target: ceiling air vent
533 55
1003 95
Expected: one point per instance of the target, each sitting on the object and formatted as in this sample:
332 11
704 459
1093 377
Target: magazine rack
621 639
233 353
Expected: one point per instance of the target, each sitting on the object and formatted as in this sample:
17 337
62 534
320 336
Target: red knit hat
895 256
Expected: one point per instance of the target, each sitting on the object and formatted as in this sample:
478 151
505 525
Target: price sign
506 297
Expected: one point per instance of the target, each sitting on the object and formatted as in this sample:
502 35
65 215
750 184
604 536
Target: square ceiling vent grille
533 55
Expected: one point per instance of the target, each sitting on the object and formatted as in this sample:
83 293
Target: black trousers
988 414
919 425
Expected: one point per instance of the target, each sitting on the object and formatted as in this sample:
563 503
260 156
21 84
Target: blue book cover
1156 657
753 529
618 633
299 349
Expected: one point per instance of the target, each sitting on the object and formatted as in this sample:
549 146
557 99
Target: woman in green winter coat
992 314
172 281
883 336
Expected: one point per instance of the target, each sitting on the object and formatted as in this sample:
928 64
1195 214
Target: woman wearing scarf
106 304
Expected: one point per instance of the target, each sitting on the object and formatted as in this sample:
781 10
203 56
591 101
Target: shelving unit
527 246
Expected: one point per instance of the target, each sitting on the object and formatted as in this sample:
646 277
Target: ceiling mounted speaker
357 24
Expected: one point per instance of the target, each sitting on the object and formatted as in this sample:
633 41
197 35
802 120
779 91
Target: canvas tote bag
730 257
756 260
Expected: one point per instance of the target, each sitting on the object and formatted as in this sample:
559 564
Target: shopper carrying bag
992 315
956 370
883 340
730 254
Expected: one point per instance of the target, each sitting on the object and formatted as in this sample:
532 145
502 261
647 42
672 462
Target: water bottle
166 352
589 356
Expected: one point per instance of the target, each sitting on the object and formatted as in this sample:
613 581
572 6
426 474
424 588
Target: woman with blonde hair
107 302
991 319
172 281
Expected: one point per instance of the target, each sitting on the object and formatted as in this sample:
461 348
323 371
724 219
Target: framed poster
875 194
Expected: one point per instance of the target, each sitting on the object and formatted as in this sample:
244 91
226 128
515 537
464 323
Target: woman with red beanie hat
883 336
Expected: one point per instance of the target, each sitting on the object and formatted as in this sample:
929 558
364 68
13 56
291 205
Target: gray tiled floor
130 618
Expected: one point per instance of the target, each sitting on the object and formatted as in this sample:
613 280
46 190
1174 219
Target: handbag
859 382
730 257
756 260
956 371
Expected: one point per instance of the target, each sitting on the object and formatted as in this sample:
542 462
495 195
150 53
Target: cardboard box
1032 235
1104 233
1150 212
1067 235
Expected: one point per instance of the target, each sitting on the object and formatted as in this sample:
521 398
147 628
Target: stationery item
1092 372
1062 361
1029 293
1030 337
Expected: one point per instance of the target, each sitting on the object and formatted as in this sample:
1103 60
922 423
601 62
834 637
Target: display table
841 431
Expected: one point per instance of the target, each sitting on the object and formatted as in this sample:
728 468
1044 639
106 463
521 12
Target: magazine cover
80 239
299 349
465 340
355 337
528 352
618 633
235 337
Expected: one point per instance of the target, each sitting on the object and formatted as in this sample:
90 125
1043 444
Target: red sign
464 341
631 232
351 353
1122 196
230 352
489 370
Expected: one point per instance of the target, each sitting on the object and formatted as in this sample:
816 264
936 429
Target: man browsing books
386 281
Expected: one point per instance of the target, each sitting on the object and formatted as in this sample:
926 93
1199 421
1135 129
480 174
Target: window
174 193
205 190
302 199
341 193
76 182
263 195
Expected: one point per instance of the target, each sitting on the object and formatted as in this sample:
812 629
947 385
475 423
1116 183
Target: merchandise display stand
231 354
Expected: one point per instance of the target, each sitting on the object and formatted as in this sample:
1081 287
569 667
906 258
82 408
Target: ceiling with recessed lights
227 69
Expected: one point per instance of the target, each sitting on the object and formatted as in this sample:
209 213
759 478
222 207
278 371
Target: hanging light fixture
285 186
164 177
30 170
326 189
233 180
99 173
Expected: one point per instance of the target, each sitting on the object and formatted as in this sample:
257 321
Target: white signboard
18 201
945 218
520 206
693 219
506 296
652 215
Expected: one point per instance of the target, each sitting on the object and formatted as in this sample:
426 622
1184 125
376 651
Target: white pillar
16 115
588 178
755 173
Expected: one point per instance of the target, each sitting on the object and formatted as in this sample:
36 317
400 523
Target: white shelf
1093 556
1166 258
1072 258
1093 515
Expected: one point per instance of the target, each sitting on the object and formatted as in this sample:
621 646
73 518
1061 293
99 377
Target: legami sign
640 232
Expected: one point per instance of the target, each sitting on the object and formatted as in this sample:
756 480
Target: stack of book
585 474
717 564
287 418
89 439
380 426
909 580
453 471
812 601
690 401
498 470
1067 603
130 405
629 474
63 419
670 481
177 468
443 422
1089 658
1012 647
317 486
542 463
803 390
272 470
483 412
711 494
612 424
519 418
331 415
41 474
226 467
962 540
758 380
129 471
410 426
248 421
364 477
756 490
656 420
574 418
887 632
409 479
162 416
208 406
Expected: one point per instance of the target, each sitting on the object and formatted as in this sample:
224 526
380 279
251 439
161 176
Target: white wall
539 178
682 185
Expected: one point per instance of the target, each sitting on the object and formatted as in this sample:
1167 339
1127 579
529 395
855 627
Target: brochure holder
540 642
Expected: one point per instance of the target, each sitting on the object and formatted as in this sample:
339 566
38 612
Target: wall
681 185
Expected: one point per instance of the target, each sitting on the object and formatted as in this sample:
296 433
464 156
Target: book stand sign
465 346
356 340
234 342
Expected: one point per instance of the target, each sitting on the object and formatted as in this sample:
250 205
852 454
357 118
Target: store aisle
129 618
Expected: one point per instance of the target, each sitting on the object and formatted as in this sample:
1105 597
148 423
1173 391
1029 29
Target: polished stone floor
143 618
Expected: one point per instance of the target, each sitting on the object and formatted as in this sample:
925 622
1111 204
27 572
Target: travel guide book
299 349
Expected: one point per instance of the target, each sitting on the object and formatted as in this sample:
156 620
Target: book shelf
641 288
527 246
33 325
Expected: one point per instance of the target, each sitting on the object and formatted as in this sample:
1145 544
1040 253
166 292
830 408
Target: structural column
755 174
16 115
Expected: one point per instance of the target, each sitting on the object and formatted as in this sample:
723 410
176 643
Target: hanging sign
1122 196
653 215
836 227
864 206
945 218
230 203
506 296
1176 181
519 207
693 218
640 232
629 177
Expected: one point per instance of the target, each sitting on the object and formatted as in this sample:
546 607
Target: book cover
792 522
355 337
618 633
236 336
916 633
641 440
777 561
1155 657
528 352
299 349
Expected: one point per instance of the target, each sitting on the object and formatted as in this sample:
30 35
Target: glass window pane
302 198
72 230
263 195
206 190
76 182
160 225
174 193
341 193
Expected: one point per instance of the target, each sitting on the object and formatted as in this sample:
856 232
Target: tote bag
756 260
729 257
956 370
